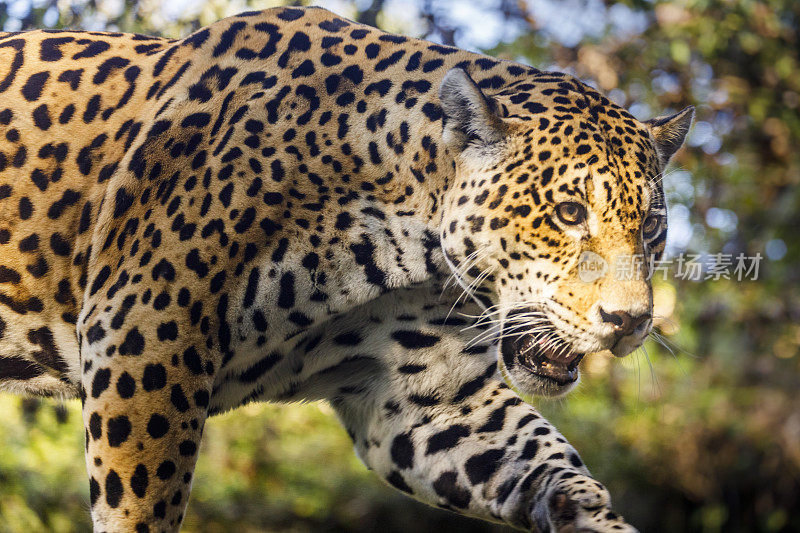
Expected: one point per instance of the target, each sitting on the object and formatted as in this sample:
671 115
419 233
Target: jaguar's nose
624 324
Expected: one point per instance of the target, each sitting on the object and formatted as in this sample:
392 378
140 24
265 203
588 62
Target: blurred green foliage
288 468
700 433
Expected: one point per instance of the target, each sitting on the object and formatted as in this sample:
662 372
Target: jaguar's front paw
577 504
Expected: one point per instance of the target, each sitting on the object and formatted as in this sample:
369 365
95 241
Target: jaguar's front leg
437 423
146 385
493 458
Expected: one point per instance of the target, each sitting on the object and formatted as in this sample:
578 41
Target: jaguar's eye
651 226
571 213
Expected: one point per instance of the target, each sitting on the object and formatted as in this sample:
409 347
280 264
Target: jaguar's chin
539 363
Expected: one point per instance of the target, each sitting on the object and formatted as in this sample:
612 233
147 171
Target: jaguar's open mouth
543 355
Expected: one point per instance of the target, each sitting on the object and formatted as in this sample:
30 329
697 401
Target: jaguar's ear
669 132
469 116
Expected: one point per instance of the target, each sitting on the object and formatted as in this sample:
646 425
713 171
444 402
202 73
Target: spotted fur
288 205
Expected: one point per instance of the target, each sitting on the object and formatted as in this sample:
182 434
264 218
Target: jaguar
288 205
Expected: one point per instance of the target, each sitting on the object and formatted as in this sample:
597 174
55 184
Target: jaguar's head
554 219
